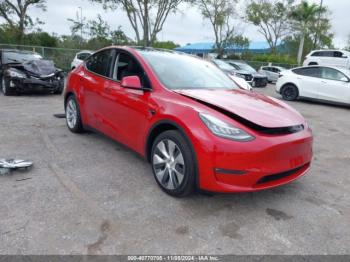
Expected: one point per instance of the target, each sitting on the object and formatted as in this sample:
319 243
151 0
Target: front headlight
240 75
225 130
15 73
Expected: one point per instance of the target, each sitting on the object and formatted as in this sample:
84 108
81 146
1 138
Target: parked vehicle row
242 70
192 123
24 71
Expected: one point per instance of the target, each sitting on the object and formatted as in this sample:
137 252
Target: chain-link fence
62 57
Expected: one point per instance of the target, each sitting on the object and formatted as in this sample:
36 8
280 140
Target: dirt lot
89 195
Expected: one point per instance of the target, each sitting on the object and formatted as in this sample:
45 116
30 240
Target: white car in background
80 58
337 58
316 82
271 72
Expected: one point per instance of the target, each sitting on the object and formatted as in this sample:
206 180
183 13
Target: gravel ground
89 195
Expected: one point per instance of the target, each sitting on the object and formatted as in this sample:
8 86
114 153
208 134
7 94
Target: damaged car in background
25 71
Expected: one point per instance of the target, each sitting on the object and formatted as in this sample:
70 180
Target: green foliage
15 14
165 45
272 19
41 39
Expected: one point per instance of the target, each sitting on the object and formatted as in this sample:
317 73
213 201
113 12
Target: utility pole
318 25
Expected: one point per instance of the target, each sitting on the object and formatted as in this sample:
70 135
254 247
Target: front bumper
266 162
259 81
30 84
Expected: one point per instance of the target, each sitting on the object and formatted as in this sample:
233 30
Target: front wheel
73 116
173 164
5 87
290 92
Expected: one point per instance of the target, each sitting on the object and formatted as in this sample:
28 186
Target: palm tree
304 16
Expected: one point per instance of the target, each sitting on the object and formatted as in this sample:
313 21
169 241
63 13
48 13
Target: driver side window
332 74
126 65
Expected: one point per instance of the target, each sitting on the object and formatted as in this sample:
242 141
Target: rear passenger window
309 71
338 54
100 63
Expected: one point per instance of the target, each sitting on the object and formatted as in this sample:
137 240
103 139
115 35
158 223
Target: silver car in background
271 72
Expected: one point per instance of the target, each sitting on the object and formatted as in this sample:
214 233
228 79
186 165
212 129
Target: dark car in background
226 67
258 79
25 71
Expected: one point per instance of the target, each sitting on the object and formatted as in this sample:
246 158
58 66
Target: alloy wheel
168 164
290 93
71 113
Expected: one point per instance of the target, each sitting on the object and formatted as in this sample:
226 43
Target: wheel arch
165 125
67 95
160 127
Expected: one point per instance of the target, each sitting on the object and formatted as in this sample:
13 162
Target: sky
186 26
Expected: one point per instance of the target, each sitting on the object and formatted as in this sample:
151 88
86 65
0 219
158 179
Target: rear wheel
173 164
73 116
290 92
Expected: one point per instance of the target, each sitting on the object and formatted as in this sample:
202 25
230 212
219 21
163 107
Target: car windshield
180 71
223 65
246 67
9 57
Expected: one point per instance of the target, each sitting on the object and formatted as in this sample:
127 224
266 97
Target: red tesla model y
189 120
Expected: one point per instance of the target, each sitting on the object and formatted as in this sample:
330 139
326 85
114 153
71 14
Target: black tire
290 92
187 184
59 90
77 125
5 87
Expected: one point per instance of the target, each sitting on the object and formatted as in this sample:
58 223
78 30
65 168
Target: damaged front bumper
31 84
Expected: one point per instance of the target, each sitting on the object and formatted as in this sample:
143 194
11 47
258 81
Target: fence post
43 51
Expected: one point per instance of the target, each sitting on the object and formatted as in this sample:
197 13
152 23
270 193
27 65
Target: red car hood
256 108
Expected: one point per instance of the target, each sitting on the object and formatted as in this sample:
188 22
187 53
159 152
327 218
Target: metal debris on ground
6 165
60 115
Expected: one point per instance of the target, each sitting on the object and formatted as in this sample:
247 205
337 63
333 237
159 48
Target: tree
220 13
165 45
16 15
79 25
147 17
304 17
272 18
348 44
118 37
99 28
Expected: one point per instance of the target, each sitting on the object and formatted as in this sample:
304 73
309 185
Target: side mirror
132 82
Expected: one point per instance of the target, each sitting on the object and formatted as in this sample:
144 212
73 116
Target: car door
127 109
94 80
334 86
309 80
